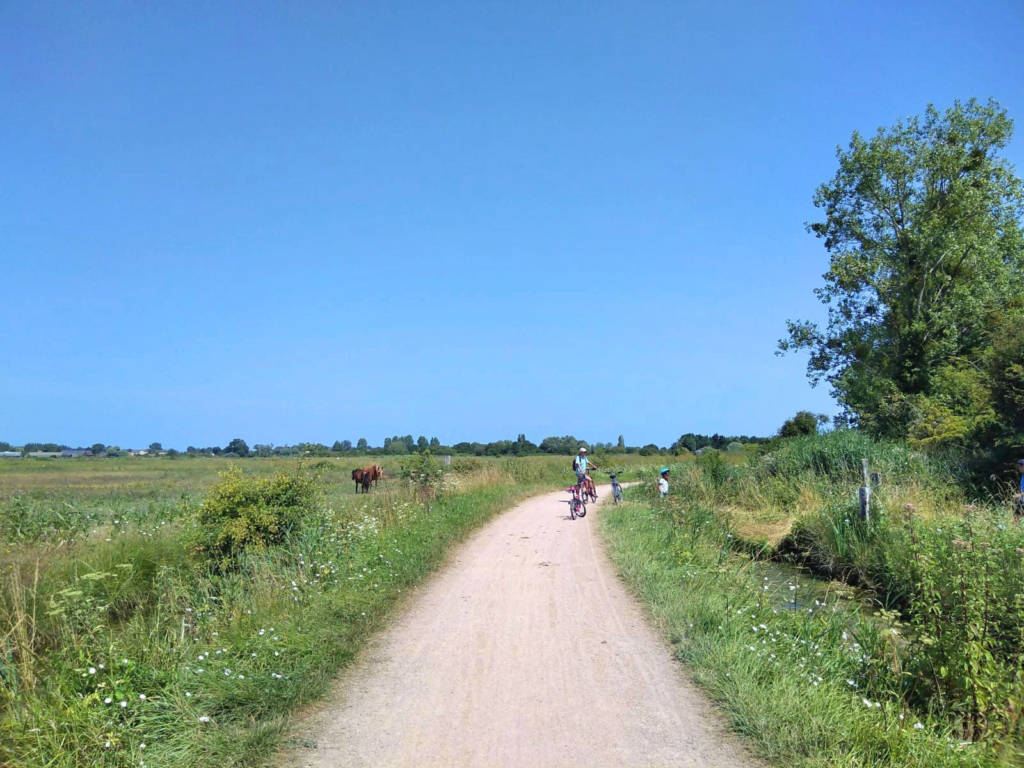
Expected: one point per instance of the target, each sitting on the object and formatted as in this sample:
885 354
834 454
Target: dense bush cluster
243 512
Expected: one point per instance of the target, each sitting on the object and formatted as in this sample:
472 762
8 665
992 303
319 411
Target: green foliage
804 423
423 471
244 512
692 442
966 606
811 687
716 470
238 447
835 458
923 227
953 573
208 662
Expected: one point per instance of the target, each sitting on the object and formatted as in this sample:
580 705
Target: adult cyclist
582 465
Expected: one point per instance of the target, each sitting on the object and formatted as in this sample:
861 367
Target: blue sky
320 221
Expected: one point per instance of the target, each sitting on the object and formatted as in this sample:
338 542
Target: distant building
44 454
74 453
10 454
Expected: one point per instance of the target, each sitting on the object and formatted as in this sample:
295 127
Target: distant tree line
401 445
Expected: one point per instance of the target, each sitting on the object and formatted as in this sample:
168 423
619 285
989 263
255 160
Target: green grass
802 686
205 665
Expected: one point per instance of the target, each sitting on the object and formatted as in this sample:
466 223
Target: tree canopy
922 224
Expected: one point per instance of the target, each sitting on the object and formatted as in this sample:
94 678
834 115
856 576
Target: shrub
253 513
715 469
422 470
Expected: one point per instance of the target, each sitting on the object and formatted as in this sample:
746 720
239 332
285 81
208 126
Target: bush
715 469
252 513
423 471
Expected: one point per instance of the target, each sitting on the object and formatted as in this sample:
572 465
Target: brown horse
376 473
357 475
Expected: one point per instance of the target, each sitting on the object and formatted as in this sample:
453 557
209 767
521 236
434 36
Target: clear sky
329 220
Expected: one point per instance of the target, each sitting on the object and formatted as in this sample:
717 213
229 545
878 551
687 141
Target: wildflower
918 726
92 670
107 700
204 718
142 697
867 702
851 683
123 704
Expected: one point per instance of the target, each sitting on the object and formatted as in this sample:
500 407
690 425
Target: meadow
158 610
925 667
178 611
123 645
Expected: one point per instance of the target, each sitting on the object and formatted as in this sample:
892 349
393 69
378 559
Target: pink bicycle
577 505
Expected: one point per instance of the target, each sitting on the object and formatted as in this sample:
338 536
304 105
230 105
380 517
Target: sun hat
582 449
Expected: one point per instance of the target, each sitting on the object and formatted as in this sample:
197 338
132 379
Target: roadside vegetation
924 668
177 619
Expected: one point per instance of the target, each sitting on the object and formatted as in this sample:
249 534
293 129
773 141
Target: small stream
794 589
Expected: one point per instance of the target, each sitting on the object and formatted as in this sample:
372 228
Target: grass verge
129 652
800 685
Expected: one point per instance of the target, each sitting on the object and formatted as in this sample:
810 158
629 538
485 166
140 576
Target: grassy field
122 646
123 643
931 674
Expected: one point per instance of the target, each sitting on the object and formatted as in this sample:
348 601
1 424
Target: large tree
922 224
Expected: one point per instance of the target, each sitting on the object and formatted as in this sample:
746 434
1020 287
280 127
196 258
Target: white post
865 492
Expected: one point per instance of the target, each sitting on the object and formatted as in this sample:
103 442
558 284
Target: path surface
525 651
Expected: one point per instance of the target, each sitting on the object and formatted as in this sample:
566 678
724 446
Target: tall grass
952 571
130 648
806 687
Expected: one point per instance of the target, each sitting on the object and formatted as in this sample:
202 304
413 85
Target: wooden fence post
865 492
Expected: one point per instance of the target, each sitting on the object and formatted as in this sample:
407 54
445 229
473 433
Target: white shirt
662 486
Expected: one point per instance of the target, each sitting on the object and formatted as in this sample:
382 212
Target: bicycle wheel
582 511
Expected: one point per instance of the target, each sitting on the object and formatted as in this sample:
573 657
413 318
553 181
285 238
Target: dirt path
525 651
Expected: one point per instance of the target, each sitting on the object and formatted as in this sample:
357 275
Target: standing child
663 482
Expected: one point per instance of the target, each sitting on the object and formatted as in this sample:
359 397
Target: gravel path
526 650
